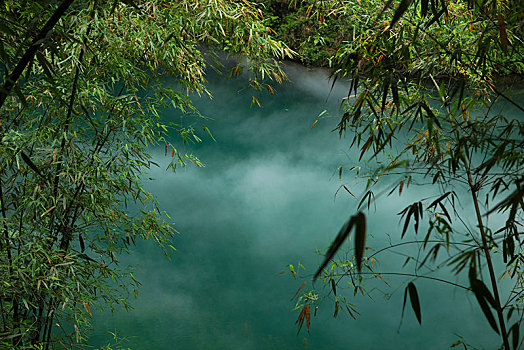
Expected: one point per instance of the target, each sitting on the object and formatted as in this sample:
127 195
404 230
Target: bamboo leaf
487 313
30 163
341 237
479 287
300 319
302 286
415 302
365 147
308 316
402 7
481 293
334 286
351 313
360 238
349 191
82 245
394 92
385 92
406 223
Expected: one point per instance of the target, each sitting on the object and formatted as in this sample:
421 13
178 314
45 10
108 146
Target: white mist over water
264 200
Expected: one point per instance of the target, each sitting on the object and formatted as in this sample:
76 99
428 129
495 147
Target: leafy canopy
424 82
83 86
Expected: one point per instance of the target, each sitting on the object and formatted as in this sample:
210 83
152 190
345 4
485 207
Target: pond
266 199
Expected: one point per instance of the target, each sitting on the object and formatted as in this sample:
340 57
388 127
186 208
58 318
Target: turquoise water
266 199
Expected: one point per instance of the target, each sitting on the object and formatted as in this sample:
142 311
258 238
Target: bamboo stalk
485 249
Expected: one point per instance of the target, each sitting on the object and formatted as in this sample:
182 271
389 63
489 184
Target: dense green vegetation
79 98
423 83
325 32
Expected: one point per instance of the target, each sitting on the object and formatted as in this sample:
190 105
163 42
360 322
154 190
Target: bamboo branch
31 51
483 235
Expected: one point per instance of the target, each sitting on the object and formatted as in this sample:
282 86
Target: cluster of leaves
80 104
328 32
422 93
314 38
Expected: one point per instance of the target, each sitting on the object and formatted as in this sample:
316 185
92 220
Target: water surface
265 200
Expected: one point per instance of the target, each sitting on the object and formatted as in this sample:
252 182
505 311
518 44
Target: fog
266 199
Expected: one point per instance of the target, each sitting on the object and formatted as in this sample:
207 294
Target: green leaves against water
449 139
359 222
74 147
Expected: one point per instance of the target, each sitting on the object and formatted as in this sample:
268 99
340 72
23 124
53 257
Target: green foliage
445 39
423 85
314 38
80 106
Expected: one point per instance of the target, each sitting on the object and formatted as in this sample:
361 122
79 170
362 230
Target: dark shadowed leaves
394 92
402 7
360 238
484 296
515 337
424 7
334 286
82 244
30 163
414 210
411 290
360 221
508 248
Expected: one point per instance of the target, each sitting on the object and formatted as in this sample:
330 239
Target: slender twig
413 242
409 275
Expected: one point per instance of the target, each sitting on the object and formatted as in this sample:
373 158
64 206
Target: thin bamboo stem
483 235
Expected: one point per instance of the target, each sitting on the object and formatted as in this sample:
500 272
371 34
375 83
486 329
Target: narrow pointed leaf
334 286
82 245
487 312
360 238
406 223
402 7
415 302
481 293
479 287
308 316
341 237
394 92
30 163
298 291
347 189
